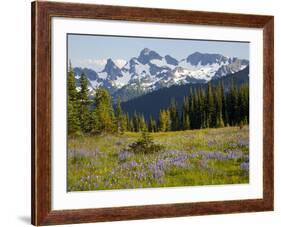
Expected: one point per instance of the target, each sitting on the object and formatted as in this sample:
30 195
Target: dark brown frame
42 12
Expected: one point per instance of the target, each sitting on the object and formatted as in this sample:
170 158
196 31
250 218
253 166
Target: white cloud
98 64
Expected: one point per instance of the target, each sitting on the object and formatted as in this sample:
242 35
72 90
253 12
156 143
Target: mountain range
150 72
149 104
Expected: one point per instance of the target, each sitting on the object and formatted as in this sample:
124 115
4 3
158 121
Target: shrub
145 145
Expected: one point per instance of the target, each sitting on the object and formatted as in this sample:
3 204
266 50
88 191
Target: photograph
150 112
142 112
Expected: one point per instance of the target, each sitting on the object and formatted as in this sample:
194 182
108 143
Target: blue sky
92 51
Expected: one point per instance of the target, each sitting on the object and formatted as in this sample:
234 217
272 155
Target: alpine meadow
151 112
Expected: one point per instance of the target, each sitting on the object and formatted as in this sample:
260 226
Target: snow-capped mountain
150 71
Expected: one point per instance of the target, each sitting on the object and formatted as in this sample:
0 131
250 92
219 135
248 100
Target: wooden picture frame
42 13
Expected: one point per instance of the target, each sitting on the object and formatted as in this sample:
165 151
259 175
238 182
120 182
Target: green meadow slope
189 158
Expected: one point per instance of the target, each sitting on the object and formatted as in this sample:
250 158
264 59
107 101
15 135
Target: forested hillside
150 104
216 104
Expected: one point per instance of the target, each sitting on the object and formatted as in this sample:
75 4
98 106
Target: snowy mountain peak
150 71
109 64
205 58
145 51
171 61
146 55
111 70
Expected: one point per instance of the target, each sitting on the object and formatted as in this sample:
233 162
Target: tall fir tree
142 123
152 126
85 116
164 123
223 100
73 124
83 94
103 114
197 113
201 107
191 109
232 105
135 121
243 104
211 114
128 123
174 115
218 108
185 122
121 121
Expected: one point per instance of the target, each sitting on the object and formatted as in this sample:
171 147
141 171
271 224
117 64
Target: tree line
202 108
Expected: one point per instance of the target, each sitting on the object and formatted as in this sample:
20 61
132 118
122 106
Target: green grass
193 157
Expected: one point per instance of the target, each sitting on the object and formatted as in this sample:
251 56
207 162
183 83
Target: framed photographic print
146 113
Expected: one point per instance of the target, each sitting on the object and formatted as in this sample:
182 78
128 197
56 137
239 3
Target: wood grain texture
42 12
268 113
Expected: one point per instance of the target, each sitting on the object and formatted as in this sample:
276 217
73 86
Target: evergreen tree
201 107
185 122
121 122
128 123
131 125
136 125
197 113
103 114
218 108
164 121
223 100
174 115
152 127
191 109
232 105
243 104
73 124
142 123
85 116
211 115
83 94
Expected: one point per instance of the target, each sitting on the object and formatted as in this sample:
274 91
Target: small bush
145 145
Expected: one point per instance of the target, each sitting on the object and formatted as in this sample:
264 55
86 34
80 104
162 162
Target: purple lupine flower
244 166
234 154
129 165
133 164
140 175
161 164
194 155
123 155
199 154
171 153
79 152
179 161
216 155
83 152
156 172
243 142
